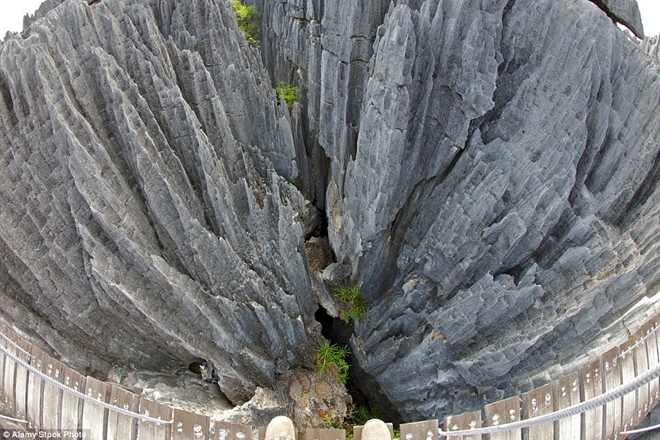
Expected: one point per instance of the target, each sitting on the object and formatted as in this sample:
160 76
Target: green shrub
248 21
331 358
287 91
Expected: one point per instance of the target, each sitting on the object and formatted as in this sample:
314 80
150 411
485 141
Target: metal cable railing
11 419
639 342
641 430
85 397
574 410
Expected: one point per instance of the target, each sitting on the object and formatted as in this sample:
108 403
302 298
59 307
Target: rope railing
83 396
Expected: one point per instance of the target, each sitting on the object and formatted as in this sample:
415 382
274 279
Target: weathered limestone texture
652 47
489 170
497 197
625 12
145 213
506 177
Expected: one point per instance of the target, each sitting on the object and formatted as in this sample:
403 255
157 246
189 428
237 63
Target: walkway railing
603 400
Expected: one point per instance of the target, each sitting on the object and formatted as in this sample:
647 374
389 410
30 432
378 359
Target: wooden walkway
42 394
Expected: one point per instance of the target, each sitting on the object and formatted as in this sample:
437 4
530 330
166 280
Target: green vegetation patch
248 18
288 92
355 305
331 358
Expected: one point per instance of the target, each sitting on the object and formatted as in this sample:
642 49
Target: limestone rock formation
496 194
488 170
652 47
625 12
146 213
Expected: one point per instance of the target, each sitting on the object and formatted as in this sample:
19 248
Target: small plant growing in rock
331 358
356 305
288 92
348 293
248 18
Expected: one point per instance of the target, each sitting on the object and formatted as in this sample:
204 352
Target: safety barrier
605 399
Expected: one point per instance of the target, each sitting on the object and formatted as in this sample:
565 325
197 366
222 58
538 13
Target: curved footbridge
605 399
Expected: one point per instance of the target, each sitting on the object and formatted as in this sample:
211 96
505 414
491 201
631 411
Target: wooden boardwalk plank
592 387
35 385
50 407
652 350
3 344
8 397
629 411
567 394
536 403
640 356
325 434
120 426
70 405
425 430
21 378
151 430
235 431
190 426
613 410
460 422
502 412
94 417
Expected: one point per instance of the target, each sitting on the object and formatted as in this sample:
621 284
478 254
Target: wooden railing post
152 430
460 422
567 394
592 420
71 408
536 403
654 359
94 417
9 397
35 385
190 426
613 410
234 431
504 411
120 426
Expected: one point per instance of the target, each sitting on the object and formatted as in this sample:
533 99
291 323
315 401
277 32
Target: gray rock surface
651 46
146 217
625 12
499 201
489 171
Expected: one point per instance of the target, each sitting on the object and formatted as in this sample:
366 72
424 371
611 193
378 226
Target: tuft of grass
356 305
331 358
248 21
288 92
348 293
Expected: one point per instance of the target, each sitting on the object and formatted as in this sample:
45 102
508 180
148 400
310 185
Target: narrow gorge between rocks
486 171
